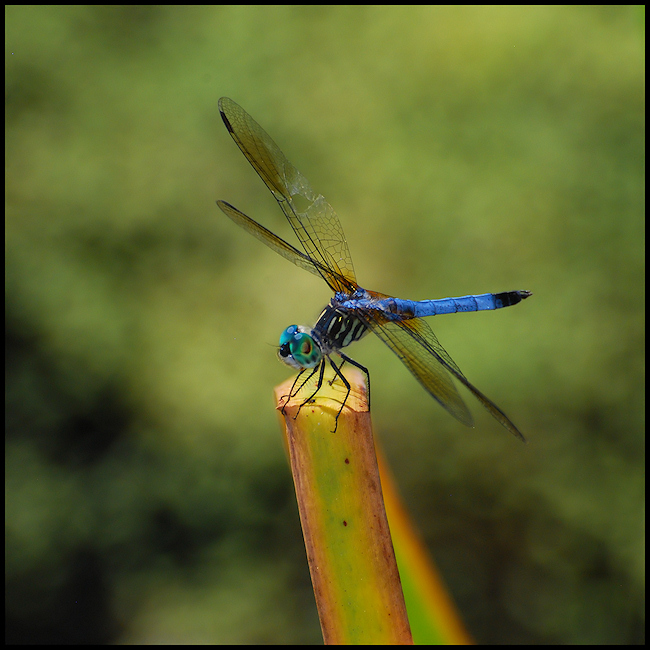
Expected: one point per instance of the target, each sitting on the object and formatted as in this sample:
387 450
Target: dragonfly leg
337 371
294 391
321 366
321 373
362 368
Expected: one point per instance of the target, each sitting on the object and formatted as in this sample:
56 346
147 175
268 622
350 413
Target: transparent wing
271 240
416 345
317 227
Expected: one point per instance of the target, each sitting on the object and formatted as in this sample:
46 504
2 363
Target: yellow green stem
349 548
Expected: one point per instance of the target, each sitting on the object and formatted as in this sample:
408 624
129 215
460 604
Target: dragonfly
353 311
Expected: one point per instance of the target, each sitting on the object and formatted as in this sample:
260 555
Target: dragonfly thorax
337 327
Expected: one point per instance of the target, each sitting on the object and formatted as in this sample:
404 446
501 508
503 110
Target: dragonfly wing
271 240
317 226
418 352
416 345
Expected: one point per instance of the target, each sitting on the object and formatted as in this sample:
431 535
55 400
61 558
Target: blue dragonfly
353 311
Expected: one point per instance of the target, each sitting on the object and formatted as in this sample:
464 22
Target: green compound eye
298 349
288 334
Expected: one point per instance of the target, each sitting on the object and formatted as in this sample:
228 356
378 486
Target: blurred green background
465 150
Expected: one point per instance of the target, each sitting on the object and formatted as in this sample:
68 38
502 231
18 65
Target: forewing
317 227
271 240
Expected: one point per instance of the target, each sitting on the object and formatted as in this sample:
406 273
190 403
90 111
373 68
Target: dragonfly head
298 348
